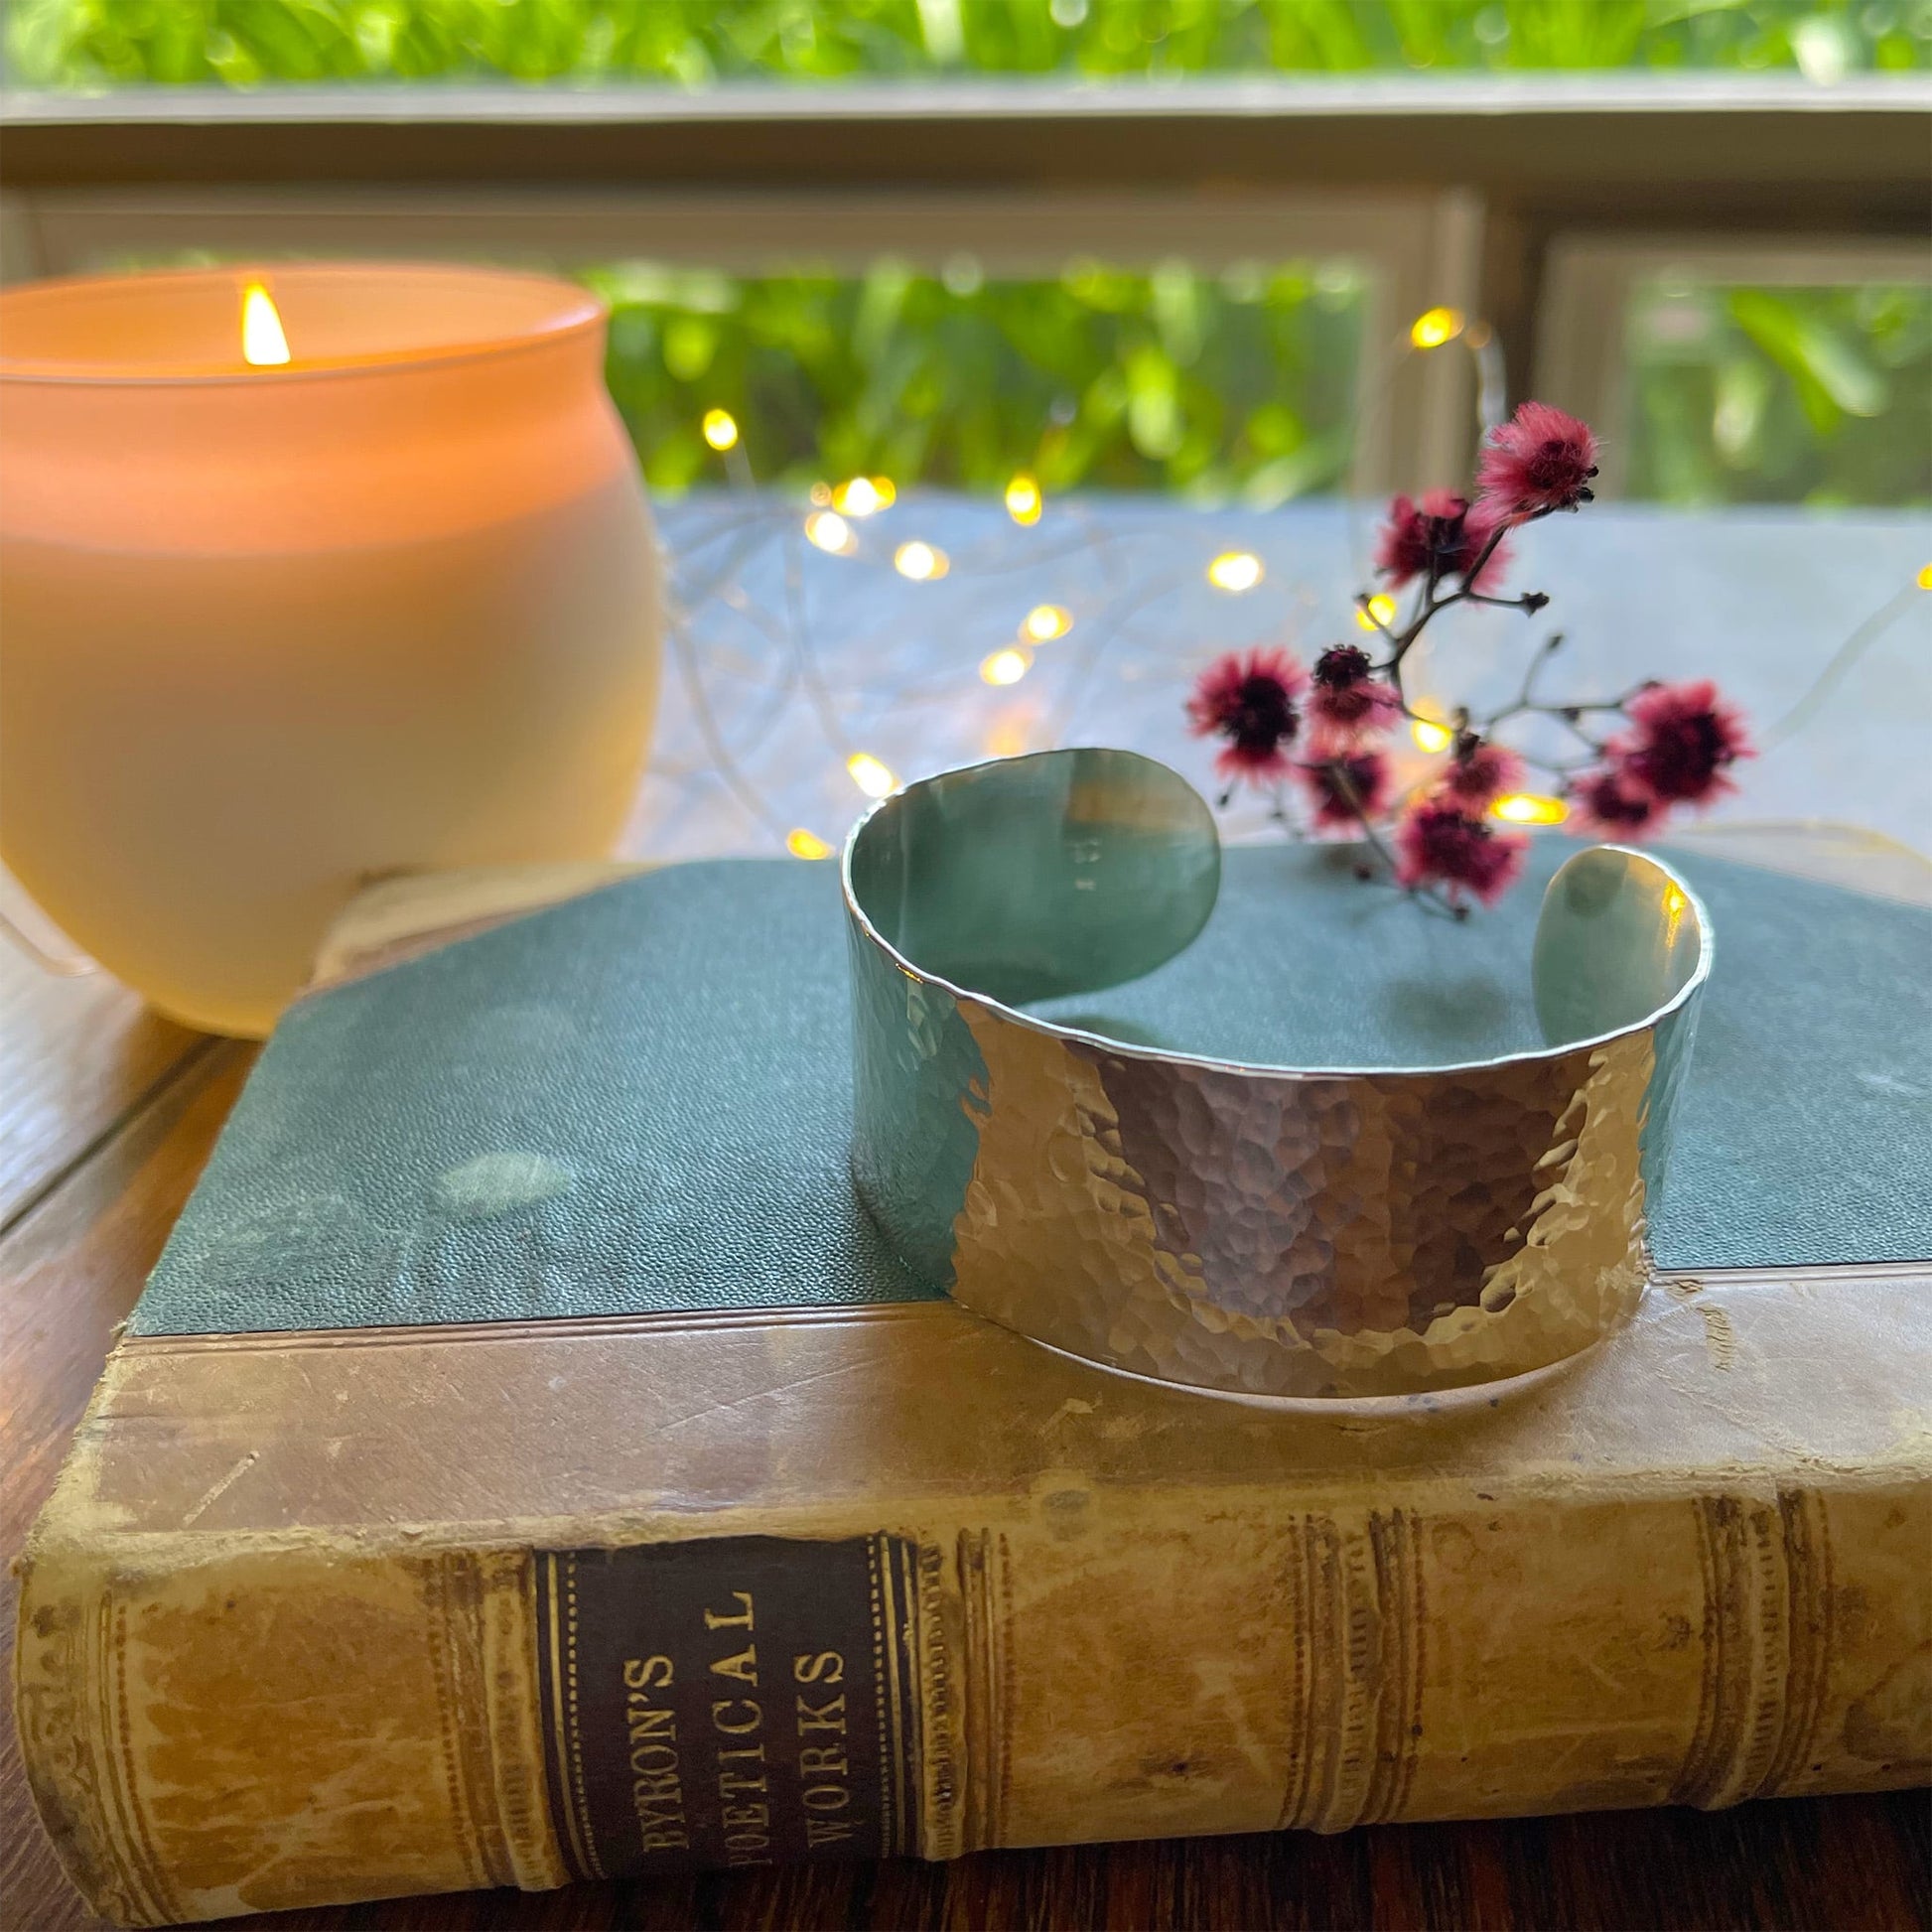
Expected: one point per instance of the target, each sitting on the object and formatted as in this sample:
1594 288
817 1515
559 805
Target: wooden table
106 1115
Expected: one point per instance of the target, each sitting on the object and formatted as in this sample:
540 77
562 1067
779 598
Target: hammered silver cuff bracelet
1310 1233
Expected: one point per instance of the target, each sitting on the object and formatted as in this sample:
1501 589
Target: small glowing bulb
721 429
1434 327
803 844
263 344
864 496
1925 578
1429 735
922 562
1006 666
1046 622
870 775
1235 570
1530 808
1377 613
821 494
1023 499
830 531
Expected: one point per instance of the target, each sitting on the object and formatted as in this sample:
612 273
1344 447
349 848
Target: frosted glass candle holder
272 628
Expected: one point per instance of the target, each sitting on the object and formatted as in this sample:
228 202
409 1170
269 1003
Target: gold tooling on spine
1767 1639
139 1865
566 1768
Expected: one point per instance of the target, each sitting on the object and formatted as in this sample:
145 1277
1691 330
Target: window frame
1582 363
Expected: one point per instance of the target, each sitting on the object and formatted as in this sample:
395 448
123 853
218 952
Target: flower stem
1351 796
1429 604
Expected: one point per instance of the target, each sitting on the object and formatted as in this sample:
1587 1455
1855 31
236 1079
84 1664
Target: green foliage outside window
693 42
1819 395
1214 386
1240 386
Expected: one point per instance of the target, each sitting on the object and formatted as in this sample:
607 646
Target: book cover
526 1460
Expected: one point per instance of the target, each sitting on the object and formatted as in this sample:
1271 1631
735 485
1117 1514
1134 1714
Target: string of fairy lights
837 516
837 513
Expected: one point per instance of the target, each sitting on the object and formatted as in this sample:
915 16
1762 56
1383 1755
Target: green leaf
1832 377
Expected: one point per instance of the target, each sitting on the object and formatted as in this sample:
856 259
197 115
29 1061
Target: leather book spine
220 1721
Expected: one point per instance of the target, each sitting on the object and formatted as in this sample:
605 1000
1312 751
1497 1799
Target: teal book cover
640 1100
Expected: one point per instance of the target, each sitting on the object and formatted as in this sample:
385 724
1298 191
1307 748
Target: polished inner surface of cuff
1081 887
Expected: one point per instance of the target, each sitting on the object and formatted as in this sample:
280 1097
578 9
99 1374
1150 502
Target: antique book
526 1462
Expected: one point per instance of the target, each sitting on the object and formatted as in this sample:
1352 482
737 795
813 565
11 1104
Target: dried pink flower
1684 738
1444 533
1439 844
1346 787
1479 772
1605 807
1253 703
1346 698
1540 461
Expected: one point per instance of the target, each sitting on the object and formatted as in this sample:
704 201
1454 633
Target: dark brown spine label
733 1701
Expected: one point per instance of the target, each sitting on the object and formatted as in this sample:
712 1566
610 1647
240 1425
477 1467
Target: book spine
216 1724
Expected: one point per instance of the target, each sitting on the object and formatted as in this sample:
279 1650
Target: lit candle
308 577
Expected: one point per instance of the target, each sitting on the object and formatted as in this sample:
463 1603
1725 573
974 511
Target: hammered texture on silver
1305 1236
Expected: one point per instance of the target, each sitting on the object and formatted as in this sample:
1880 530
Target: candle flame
263 344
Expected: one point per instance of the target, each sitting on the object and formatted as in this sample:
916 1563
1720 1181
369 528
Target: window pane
1242 382
693 42
1779 394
